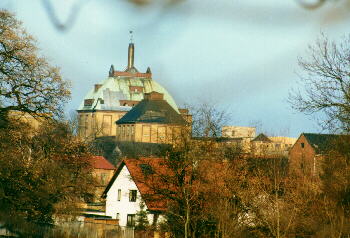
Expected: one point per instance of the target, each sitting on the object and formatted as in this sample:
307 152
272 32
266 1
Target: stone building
112 98
238 132
267 146
152 120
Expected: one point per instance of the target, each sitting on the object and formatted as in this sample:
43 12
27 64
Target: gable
262 138
143 173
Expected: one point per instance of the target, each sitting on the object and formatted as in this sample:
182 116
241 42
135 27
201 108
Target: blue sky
240 55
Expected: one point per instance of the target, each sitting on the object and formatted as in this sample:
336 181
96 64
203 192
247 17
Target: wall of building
25 117
102 176
238 132
262 148
302 157
99 123
124 206
149 132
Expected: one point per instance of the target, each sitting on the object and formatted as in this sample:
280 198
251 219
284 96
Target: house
132 184
34 123
306 153
102 171
152 120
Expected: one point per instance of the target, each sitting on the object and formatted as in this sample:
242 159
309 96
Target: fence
91 230
85 230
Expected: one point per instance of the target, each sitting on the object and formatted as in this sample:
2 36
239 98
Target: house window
302 145
130 220
117 216
119 194
132 195
103 177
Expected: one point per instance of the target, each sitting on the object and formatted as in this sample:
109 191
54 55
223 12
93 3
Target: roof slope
99 162
152 111
147 173
262 137
321 142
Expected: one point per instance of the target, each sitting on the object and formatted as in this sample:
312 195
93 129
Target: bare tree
326 83
208 119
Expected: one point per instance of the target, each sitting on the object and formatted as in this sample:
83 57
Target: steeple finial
131 52
131 36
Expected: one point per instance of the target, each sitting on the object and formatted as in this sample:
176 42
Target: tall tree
27 82
325 81
42 176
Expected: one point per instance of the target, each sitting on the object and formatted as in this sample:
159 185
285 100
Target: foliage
27 82
43 174
142 223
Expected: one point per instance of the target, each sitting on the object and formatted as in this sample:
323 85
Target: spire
111 71
131 52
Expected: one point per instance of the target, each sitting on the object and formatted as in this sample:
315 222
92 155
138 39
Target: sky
239 55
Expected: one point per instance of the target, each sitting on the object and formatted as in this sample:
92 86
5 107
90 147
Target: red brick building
307 152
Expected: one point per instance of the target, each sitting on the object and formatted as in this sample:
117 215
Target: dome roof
123 89
120 93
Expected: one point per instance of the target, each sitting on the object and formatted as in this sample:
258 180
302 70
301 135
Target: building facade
307 153
153 120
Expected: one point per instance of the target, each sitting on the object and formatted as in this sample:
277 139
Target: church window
146 134
132 130
161 134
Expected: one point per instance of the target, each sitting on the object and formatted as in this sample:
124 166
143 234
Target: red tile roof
148 175
100 162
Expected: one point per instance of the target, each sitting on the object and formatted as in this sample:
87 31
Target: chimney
97 87
131 56
154 96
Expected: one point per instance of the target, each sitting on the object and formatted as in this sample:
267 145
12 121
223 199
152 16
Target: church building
109 100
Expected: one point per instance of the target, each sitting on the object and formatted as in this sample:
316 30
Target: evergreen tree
141 218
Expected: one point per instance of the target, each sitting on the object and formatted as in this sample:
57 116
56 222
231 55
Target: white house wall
124 206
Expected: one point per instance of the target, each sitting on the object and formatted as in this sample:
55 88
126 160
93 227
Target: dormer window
88 102
135 89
